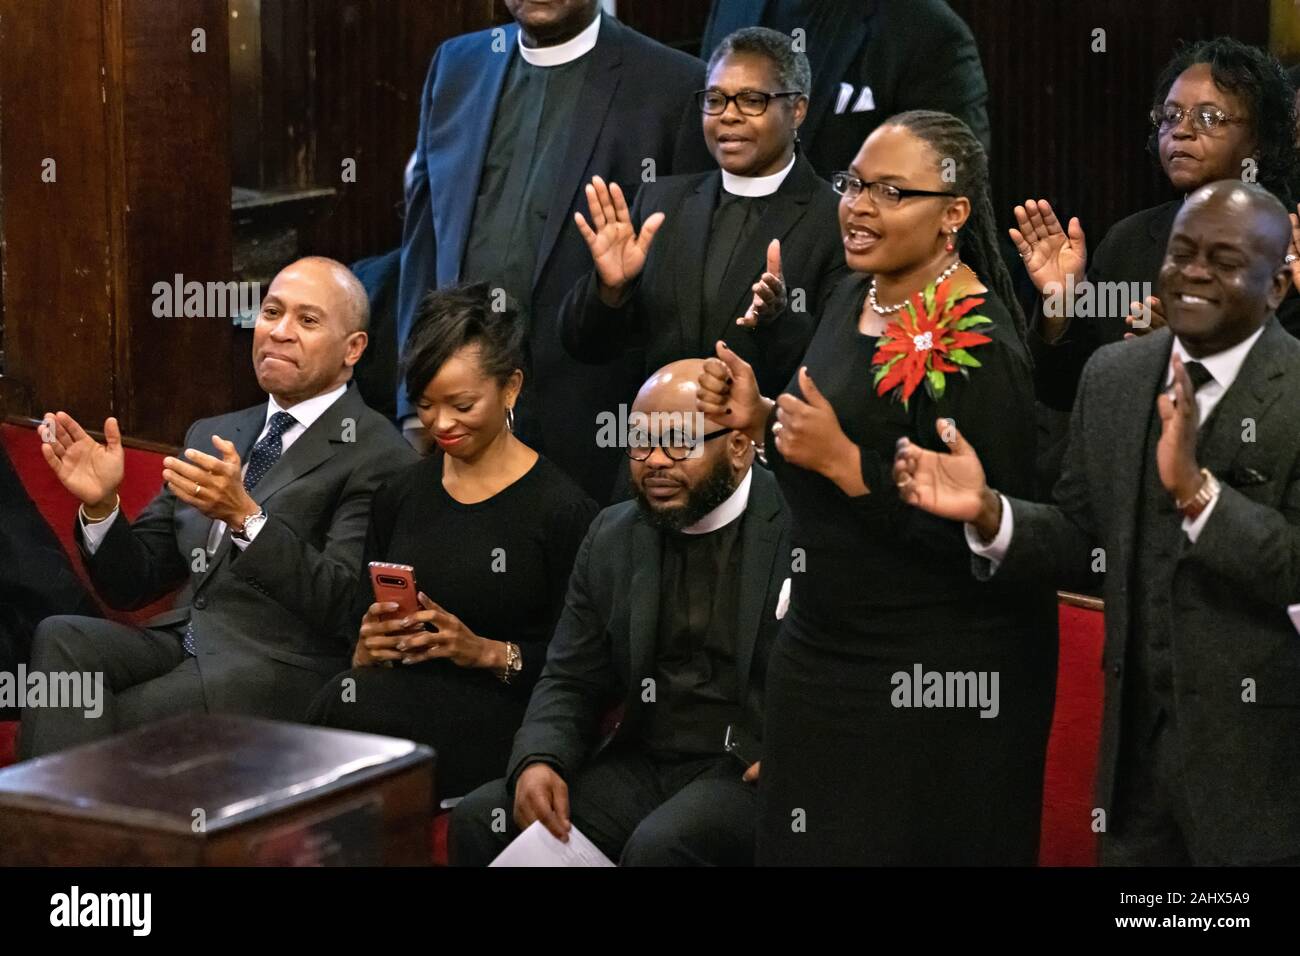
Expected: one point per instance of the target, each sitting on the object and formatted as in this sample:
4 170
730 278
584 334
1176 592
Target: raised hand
951 485
1176 450
1049 252
769 291
808 434
1293 250
90 471
214 486
1145 317
727 392
618 251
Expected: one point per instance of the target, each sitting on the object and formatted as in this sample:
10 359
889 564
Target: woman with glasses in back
908 705
490 528
1221 110
747 253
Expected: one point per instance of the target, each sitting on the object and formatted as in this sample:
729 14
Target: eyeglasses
678 446
1205 117
749 102
882 194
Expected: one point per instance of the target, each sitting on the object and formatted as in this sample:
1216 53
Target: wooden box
219 790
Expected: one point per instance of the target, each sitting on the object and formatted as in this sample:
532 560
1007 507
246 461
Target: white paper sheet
1294 613
537 847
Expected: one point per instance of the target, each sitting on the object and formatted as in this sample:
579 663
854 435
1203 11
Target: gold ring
197 489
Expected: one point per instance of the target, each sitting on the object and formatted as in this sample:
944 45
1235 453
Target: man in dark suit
747 253
36 578
265 535
672 608
1198 530
870 60
513 122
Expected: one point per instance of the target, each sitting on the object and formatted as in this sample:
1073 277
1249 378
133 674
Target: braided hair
977 244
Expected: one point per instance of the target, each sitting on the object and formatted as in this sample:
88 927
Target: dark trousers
146 676
639 811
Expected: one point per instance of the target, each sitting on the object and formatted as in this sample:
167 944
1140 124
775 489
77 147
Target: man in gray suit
265 533
671 611
1182 482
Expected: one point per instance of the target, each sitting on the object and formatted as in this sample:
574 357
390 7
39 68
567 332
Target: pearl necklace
891 309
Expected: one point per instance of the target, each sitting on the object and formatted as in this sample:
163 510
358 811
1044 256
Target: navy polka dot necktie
267 451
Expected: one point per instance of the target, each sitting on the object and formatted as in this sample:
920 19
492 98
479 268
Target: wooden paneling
138 123
1069 124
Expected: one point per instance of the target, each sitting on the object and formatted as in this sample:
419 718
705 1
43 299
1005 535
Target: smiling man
671 610
1181 481
260 521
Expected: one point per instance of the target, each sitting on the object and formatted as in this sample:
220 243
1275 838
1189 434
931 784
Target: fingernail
402 646
406 622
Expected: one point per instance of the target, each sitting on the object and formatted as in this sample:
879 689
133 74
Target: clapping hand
90 471
948 484
769 291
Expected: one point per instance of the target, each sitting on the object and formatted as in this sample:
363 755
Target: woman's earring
952 243
510 418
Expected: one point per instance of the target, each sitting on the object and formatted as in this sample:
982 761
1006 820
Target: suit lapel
1257 386
758 540
1130 411
316 445
458 144
784 210
598 89
691 248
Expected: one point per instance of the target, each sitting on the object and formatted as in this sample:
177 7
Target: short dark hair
792 69
448 320
1258 79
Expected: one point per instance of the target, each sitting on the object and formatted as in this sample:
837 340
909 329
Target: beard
717 487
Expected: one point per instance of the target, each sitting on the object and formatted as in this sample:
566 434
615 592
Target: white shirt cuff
994 551
1192 528
94 532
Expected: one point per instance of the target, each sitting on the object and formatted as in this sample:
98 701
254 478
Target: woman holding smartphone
490 528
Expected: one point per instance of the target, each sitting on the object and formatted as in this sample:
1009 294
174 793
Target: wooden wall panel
58 268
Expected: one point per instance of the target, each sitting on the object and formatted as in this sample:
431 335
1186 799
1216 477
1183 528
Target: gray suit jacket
269 620
604 643
1231 588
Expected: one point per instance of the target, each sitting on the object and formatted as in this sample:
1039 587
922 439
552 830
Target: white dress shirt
1224 366
305 414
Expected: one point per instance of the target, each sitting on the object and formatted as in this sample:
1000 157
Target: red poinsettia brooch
927 341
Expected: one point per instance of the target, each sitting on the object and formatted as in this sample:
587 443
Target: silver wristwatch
250 523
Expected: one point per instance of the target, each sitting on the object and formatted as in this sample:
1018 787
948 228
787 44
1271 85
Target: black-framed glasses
749 102
1206 117
679 446
882 194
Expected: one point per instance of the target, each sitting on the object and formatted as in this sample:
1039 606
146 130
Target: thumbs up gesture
769 291
808 434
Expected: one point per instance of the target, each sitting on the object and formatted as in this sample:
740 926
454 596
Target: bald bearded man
260 521
672 609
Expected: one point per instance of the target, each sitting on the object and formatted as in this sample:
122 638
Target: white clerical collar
306 412
725 513
1224 365
754 186
561 53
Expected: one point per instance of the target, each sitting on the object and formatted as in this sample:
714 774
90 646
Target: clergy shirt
525 157
305 414
697 692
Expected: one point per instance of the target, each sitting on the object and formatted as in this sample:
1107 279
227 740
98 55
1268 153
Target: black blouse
873 562
501 565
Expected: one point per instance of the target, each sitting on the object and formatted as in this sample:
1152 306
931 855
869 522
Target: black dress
501 566
882 588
